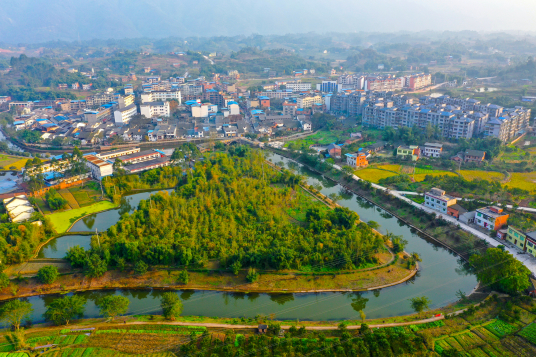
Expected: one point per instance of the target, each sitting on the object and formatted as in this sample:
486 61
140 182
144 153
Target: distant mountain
31 21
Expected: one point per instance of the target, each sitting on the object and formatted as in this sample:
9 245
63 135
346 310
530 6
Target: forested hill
231 209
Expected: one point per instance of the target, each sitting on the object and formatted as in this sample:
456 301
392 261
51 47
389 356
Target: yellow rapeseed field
395 168
374 175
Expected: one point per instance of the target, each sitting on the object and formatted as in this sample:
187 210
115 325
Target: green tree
184 278
48 274
140 267
171 305
76 256
4 280
62 310
501 270
419 304
113 305
14 311
94 266
252 275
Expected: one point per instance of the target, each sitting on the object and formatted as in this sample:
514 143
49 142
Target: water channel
440 275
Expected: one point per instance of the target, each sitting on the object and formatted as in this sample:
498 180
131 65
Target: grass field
69 197
374 175
525 181
482 175
320 138
86 195
63 220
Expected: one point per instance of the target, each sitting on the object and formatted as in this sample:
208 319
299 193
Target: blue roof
90 153
39 120
264 97
232 102
51 175
48 125
60 117
160 152
18 122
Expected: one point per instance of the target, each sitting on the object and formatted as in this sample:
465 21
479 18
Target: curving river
440 275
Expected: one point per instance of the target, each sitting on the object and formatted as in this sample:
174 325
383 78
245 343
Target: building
328 86
18 208
491 218
123 116
357 160
437 200
456 210
474 156
334 150
432 149
98 167
296 86
289 108
161 96
264 101
148 165
117 153
417 81
200 110
140 156
155 109
383 83
411 150
307 101
521 238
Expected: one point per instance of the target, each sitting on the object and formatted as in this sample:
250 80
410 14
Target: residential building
200 110
456 210
357 159
289 108
161 96
28 105
123 116
4 99
329 86
155 109
308 101
491 218
474 156
417 81
296 86
148 165
411 150
98 167
264 101
530 246
436 199
432 149
519 238
383 83
334 150
140 156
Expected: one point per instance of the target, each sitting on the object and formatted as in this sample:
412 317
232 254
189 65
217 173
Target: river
440 275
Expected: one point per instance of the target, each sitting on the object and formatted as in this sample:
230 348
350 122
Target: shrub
48 274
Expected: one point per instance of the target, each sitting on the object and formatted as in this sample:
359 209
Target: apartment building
155 109
123 116
328 86
278 94
417 81
384 83
491 218
295 86
308 101
289 108
436 199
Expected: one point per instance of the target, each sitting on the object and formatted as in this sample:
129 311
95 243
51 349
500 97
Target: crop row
96 352
529 333
500 328
164 332
427 325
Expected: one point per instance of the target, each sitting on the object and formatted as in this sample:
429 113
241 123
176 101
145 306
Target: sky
33 21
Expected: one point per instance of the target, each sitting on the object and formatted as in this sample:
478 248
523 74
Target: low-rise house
334 150
468 217
523 240
455 210
491 218
437 200
474 156
148 165
376 146
411 150
117 153
357 159
98 167
432 149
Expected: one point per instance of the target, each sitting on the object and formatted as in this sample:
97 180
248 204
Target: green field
319 138
63 220
7 161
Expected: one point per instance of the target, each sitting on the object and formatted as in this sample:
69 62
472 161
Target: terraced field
482 175
523 180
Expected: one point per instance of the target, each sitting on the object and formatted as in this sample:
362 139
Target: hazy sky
44 20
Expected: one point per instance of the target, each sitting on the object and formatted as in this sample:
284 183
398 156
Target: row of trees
61 311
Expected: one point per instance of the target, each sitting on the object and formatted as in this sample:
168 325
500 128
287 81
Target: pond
441 275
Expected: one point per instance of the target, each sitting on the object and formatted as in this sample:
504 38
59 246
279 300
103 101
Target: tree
461 295
62 310
252 275
140 267
14 311
48 274
184 278
171 305
419 304
113 305
4 280
500 270
76 256
94 266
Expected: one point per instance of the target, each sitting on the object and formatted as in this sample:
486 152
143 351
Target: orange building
491 218
264 101
357 160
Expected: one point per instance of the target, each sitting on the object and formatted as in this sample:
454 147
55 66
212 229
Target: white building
18 208
233 107
155 109
437 200
99 168
200 111
123 116
161 96
432 149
